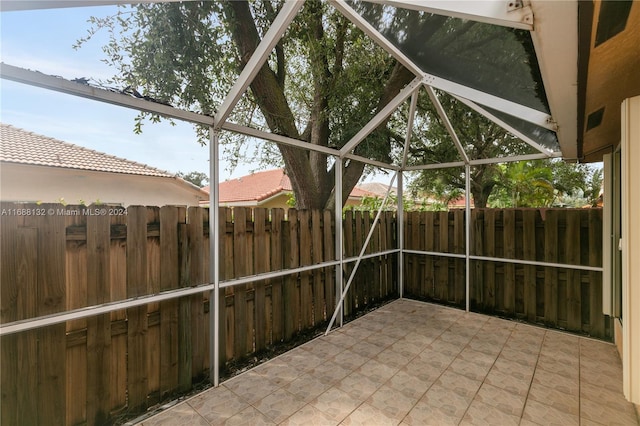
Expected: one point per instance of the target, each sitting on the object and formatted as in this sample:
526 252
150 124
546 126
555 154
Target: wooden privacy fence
564 298
56 258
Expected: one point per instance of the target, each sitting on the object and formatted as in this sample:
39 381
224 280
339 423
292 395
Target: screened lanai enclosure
512 62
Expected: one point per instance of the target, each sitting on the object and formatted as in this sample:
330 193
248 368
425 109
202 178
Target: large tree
480 138
323 82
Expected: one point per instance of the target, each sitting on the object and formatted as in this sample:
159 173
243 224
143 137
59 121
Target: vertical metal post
214 259
467 229
400 230
339 233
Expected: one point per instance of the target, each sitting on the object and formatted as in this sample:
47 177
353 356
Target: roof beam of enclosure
16 5
274 33
249 131
59 84
531 115
496 12
380 116
447 123
494 160
504 125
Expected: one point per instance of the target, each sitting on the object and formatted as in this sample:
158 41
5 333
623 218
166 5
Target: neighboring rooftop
24 147
260 186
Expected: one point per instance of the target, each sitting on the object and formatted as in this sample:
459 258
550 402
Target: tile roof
259 186
20 146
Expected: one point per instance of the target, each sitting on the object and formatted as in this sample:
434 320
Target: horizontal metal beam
59 84
297 143
285 140
504 260
496 12
514 158
434 166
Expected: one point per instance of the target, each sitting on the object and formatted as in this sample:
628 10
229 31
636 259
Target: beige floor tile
358 386
435 358
615 414
514 368
309 416
426 413
408 384
562 384
377 371
367 415
218 404
508 402
470 369
481 414
251 386
279 405
554 398
508 382
336 404
249 417
277 371
461 385
330 373
307 387
349 359
180 415
341 339
557 365
542 414
393 403
393 358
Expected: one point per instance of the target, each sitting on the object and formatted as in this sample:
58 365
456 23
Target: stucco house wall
37 168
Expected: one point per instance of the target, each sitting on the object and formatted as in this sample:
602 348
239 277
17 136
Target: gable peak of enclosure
513 62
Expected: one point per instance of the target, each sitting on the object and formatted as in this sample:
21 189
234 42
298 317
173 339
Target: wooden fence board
292 259
348 229
328 244
489 251
261 264
306 294
26 354
318 257
429 239
442 280
8 313
98 327
277 219
509 243
195 231
529 253
137 360
551 274
572 249
239 291
459 248
596 319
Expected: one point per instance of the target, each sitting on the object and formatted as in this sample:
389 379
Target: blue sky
42 40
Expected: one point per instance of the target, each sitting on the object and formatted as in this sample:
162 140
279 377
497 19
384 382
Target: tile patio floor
414 363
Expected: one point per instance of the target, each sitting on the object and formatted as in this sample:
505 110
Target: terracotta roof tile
20 146
259 186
